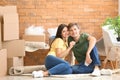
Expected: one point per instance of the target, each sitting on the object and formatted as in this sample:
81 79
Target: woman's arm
62 54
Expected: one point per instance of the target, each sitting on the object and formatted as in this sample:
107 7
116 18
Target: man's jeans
82 68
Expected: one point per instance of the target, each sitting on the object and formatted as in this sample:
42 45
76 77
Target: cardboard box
14 48
3 62
0 33
11 18
36 38
15 61
10 23
1 10
10 31
36 57
8 9
10 27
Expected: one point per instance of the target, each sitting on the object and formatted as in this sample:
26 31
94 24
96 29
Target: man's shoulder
84 34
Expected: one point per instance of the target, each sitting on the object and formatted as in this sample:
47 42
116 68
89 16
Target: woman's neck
64 39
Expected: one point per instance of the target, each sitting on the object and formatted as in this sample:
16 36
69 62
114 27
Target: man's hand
88 60
72 43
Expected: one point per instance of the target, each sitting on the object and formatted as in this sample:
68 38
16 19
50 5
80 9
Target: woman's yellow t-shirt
57 43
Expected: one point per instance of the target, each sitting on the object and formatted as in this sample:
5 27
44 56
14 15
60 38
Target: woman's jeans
57 66
82 68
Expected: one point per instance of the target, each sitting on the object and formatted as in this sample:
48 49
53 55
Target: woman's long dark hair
59 31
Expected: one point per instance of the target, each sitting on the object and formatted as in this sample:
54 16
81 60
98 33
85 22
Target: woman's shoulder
58 40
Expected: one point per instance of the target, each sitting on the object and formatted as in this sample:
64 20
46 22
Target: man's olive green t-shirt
80 48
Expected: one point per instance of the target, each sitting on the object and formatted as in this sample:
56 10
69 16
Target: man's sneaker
106 72
37 74
96 73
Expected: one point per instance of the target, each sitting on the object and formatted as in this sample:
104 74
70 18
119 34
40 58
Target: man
84 50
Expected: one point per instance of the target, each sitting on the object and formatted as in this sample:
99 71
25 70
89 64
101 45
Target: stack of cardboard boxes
11 47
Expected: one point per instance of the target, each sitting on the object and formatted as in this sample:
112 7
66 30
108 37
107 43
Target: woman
84 50
55 62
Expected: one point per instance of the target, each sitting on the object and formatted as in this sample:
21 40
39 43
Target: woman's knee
48 57
67 67
47 61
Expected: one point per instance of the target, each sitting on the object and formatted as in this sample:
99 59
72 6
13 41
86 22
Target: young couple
68 38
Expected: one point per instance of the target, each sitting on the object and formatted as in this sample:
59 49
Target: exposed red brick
51 13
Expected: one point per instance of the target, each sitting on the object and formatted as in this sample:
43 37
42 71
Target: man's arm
92 42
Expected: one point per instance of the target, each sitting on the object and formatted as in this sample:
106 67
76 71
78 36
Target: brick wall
50 13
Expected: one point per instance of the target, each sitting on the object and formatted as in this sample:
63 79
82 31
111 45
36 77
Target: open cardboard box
36 38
